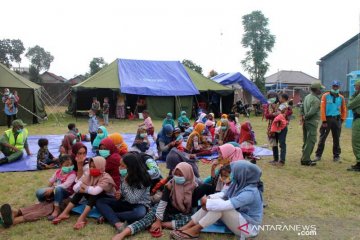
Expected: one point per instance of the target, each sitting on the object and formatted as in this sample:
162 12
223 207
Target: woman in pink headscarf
228 153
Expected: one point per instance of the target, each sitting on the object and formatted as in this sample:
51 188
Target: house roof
56 78
77 79
342 46
290 77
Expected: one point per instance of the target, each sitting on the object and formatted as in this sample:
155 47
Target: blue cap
336 83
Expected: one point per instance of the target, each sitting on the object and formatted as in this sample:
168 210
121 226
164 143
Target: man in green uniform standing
310 115
13 142
354 105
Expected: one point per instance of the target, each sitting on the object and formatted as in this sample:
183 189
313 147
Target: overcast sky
208 32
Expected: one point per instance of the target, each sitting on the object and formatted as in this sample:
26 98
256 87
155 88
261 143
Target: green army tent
28 92
107 83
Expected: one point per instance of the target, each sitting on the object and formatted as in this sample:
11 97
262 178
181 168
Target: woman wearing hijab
169 120
102 133
67 143
201 119
228 154
193 144
175 207
108 150
240 205
247 140
234 126
119 142
97 184
226 134
165 141
183 121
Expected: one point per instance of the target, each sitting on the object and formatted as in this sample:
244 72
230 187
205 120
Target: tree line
257 39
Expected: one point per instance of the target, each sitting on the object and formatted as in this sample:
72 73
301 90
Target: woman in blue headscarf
102 133
240 207
165 141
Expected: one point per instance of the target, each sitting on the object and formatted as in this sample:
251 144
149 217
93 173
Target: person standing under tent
10 108
95 106
354 105
120 106
310 115
106 110
333 114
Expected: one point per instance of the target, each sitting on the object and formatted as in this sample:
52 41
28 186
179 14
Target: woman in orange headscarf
194 143
119 142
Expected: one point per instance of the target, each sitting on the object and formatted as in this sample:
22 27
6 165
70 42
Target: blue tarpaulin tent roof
155 78
246 84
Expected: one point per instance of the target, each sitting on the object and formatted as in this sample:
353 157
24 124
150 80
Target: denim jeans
59 195
119 211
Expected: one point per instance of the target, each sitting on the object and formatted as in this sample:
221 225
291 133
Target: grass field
326 196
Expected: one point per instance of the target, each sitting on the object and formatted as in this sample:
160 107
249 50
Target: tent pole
221 104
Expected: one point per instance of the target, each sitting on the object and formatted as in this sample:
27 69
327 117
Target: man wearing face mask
333 114
13 142
310 115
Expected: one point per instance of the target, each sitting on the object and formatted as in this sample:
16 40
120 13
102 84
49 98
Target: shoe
355 168
6 215
280 164
273 162
317 158
337 159
309 163
3 160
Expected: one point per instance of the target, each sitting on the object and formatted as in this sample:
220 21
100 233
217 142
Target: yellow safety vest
20 140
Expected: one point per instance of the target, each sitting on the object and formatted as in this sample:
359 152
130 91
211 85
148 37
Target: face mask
179 180
101 135
231 177
123 172
104 153
20 130
271 100
67 169
95 172
335 91
204 120
223 128
74 141
142 135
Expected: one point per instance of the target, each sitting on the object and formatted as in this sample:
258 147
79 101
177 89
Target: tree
40 61
259 42
212 73
10 51
190 64
96 65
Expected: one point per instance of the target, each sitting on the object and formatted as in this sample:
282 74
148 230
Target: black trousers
333 125
90 198
92 137
8 119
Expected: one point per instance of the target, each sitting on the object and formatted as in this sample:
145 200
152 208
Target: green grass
326 195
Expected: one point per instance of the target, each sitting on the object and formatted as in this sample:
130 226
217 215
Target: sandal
57 220
156 233
100 220
80 225
6 215
182 236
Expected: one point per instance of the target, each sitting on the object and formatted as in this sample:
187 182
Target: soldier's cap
317 85
18 123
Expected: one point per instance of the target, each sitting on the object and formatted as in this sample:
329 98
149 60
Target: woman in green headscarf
183 121
169 120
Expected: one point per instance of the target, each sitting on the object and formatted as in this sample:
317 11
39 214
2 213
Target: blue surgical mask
74 141
223 128
67 169
20 130
100 135
179 180
123 172
104 153
335 91
271 100
142 135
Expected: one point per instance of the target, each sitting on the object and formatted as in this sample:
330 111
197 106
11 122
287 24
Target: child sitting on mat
178 139
45 160
93 186
60 185
141 141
